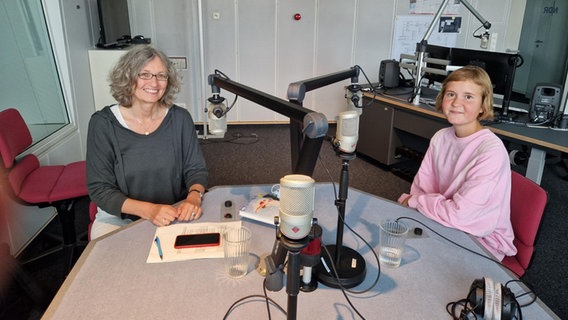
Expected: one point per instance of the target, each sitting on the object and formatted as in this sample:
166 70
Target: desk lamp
422 46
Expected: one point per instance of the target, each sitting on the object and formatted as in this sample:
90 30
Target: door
543 45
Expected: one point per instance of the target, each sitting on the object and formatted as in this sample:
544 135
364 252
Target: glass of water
392 235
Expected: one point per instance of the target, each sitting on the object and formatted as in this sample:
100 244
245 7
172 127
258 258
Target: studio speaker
545 102
389 71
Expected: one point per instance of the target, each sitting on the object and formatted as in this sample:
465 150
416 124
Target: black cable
416 88
357 235
235 139
486 257
477 35
217 71
343 290
456 244
264 297
370 86
530 292
234 305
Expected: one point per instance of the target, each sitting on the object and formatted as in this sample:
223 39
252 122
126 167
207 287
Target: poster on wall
409 30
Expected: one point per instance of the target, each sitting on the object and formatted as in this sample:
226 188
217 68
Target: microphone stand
290 250
349 264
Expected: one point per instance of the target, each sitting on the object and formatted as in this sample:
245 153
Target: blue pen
157 241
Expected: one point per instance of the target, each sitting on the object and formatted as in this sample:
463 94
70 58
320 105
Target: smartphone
197 240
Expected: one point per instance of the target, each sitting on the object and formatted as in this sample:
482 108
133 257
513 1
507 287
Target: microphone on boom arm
347 132
216 111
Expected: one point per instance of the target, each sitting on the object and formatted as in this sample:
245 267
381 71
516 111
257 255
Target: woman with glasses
143 154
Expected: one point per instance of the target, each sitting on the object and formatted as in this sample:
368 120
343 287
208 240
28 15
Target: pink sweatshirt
465 183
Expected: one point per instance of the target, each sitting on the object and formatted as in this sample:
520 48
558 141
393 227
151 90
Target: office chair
30 183
92 215
528 201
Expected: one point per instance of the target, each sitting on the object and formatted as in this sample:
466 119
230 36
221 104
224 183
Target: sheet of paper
168 236
261 209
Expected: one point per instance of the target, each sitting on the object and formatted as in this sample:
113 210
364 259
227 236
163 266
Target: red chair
92 215
528 201
29 183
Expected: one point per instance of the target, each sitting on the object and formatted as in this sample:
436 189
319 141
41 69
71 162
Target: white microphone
216 115
297 197
347 131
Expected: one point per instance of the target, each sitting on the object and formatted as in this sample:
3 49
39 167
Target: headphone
492 301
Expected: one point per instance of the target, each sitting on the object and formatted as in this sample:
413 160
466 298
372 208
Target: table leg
535 166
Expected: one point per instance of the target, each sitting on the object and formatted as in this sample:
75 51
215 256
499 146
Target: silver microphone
347 131
297 197
216 115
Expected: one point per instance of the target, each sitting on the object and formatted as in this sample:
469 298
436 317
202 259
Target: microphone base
351 269
308 287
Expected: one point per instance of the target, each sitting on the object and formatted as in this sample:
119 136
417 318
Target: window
29 78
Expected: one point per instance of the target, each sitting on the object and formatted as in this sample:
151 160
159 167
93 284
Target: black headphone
492 301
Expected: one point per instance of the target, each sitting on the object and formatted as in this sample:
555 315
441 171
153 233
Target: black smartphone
197 240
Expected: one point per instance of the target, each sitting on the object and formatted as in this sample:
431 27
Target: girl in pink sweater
464 181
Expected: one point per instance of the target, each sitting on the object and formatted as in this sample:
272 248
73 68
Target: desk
112 280
384 124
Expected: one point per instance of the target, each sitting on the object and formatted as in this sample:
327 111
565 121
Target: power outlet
180 63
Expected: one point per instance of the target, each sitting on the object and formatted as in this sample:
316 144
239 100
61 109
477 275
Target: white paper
168 236
262 209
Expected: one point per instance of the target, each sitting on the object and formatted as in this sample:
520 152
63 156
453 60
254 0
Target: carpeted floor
260 154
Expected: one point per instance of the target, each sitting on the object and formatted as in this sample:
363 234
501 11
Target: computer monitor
499 66
436 52
114 23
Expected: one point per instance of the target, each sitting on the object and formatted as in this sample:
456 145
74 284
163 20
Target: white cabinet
101 62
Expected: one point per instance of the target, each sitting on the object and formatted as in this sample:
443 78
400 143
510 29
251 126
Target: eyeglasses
149 76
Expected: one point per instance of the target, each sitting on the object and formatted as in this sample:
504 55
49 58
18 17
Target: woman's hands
190 208
163 214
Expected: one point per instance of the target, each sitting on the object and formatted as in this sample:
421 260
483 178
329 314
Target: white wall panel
220 44
258 43
374 28
334 52
296 43
256 36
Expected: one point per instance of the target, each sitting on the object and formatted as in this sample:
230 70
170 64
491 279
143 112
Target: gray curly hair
124 75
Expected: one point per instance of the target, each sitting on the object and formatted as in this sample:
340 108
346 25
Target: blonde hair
124 75
479 77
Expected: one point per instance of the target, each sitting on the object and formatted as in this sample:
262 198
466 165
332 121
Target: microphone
297 197
347 131
484 40
216 115
354 97
216 110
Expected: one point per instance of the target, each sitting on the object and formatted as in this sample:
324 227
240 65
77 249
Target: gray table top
113 281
